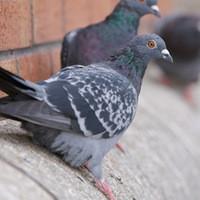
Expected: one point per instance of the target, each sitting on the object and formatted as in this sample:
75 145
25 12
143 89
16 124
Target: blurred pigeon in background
82 111
181 33
97 42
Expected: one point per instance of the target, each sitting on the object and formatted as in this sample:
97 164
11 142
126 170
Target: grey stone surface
15 184
162 159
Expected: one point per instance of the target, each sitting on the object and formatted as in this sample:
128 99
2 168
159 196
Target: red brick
55 59
166 6
10 65
77 13
101 10
2 94
48 20
35 67
15 23
114 2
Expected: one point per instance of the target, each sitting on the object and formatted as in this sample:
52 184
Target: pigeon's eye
142 1
152 44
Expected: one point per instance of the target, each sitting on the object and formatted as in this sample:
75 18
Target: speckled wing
100 101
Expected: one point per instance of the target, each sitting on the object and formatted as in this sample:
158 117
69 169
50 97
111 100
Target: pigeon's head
142 7
151 46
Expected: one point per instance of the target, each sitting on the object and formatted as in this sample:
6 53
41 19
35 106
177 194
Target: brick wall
31 31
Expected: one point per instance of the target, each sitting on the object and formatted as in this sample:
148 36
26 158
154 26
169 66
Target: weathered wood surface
162 160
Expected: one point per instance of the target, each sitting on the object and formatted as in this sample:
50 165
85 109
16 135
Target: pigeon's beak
167 56
155 10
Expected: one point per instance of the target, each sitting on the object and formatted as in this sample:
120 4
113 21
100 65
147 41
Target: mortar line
28 50
32 22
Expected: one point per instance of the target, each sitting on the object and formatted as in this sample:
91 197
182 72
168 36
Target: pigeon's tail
15 86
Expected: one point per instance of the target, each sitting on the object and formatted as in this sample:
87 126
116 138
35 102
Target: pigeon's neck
124 18
131 65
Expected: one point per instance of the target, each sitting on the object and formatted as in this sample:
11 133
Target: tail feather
26 102
14 85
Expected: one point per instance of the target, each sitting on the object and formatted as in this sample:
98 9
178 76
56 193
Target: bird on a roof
81 112
182 35
98 42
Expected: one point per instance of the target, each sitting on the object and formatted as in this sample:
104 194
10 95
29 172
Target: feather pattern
99 98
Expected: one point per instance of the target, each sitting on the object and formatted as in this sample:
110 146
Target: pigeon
182 35
81 112
98 42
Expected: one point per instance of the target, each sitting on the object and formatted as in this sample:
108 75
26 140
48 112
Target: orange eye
152 44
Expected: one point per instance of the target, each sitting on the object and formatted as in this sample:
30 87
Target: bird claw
165 81
120 147
188 96
105 189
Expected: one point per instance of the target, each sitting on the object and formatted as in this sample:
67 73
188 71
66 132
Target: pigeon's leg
164 80
120 147
188 95
104 187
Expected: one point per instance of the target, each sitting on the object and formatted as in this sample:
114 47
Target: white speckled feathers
101 100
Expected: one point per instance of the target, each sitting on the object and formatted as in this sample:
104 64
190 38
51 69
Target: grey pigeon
98 42
182 35
81 112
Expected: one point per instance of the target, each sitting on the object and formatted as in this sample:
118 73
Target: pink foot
120 147
188 96
105 189
164 80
